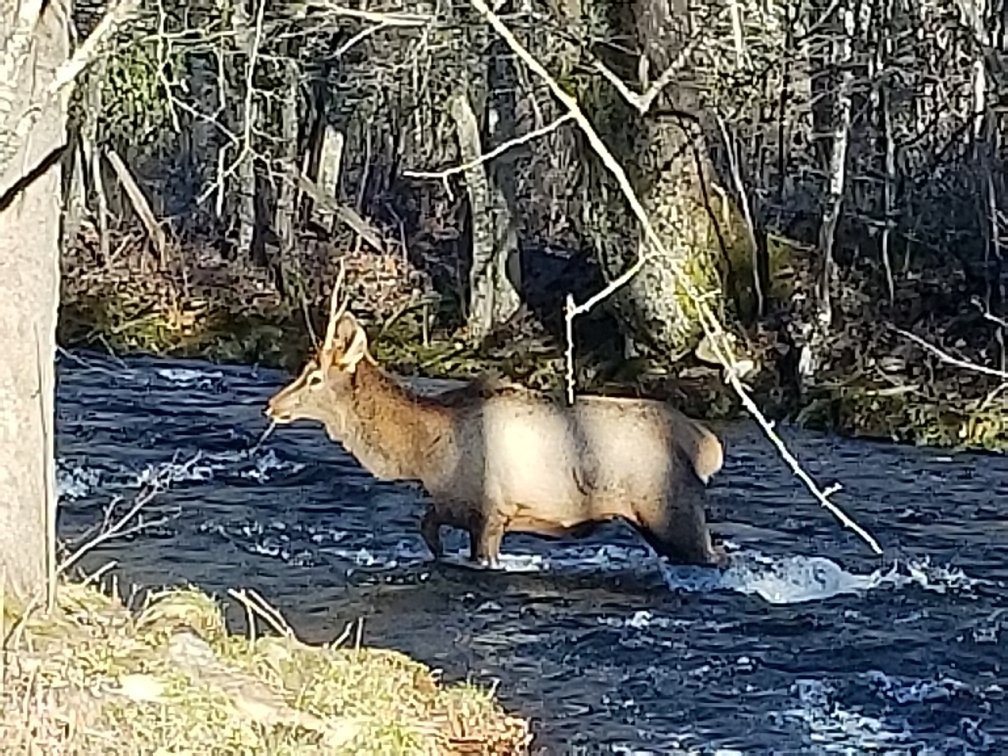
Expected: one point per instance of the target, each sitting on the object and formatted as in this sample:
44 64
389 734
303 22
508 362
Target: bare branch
114 18
359 37
382 17
643 102
736 174
12 133
256 605
128 523
708 320
246 143
951 360
498 150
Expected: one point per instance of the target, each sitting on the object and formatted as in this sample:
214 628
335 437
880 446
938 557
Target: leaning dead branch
708 319
140 204
350 217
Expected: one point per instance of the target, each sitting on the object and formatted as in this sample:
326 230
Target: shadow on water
804 644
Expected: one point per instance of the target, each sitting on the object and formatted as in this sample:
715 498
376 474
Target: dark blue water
806 644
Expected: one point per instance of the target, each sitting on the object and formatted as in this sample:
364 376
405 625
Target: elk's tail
699 445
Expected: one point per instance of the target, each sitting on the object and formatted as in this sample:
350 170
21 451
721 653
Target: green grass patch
94 677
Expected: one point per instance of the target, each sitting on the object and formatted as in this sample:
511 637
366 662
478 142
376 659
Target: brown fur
496 457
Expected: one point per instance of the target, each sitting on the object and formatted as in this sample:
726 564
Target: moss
130 325
781 256
92 677
877 412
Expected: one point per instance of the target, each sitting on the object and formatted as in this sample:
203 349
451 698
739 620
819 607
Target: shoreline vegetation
204 307
91 676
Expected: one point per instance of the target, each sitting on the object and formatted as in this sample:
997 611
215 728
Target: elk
499 458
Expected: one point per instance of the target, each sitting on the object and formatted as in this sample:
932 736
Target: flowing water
805 643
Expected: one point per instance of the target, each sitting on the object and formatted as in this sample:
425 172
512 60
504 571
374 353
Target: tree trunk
243 117
492 296
287 264
665 154
499 128
29 293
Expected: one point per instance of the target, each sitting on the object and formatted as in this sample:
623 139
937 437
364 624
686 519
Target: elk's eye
314 379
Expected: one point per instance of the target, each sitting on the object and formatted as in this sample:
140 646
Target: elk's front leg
485 536
430 531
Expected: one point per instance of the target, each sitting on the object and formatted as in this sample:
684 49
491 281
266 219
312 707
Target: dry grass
92 677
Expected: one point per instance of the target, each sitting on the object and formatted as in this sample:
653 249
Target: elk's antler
336 310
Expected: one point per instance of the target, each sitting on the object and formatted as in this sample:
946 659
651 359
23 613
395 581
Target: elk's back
595 459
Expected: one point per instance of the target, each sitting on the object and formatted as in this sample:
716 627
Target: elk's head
324 389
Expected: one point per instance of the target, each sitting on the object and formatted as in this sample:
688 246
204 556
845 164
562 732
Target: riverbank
94 677
875 386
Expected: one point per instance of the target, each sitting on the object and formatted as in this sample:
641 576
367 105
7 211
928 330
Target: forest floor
91 676
875 384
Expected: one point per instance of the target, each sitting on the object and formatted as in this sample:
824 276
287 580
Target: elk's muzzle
278 407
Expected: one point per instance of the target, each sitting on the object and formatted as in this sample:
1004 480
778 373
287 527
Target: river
806 643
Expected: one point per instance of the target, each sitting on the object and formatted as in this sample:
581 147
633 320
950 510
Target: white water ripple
75 482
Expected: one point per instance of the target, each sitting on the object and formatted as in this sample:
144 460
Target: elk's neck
393 432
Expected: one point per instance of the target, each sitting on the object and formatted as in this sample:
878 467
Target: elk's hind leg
677 530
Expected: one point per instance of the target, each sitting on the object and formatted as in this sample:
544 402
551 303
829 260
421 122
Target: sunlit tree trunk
30 152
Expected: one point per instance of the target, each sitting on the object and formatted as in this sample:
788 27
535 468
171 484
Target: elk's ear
349 344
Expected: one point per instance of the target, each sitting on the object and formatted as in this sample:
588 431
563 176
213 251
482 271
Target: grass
94 677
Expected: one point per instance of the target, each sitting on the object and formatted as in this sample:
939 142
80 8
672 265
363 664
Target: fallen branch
140 204
708 320
950 359
345 213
